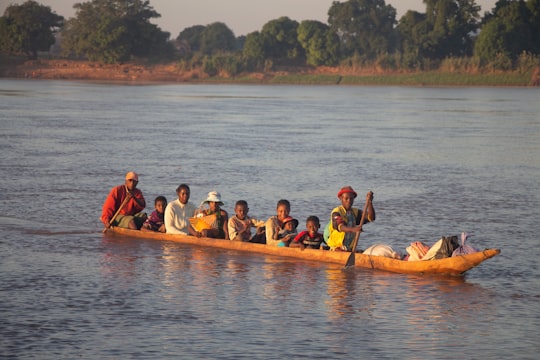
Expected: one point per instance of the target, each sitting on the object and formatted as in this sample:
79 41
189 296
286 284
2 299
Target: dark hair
284 202
241 203
183 186
161 198
315 219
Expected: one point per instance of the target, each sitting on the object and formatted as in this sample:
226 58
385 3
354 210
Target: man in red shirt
130 215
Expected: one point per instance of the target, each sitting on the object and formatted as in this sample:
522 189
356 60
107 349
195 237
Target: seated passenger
240 224
156 221
274 223
219 227
288 231
178 212
310 238
124 205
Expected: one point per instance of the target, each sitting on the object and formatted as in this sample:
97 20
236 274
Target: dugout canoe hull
455 266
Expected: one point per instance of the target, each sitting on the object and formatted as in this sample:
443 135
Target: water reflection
347 294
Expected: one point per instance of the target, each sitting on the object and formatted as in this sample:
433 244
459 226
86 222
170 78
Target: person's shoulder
172 204
337 209
117 188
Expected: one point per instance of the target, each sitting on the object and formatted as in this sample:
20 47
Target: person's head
160 203
283 209
289 224
241 209
313 224
183 193
132 179
213 200
347 195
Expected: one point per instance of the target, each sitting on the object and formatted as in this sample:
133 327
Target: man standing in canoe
124 204
345 219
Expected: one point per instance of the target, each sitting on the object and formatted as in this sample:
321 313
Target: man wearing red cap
130 215
345 219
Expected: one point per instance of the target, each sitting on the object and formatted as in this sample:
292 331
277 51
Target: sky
241 16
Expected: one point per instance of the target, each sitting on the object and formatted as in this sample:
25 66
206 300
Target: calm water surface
439 160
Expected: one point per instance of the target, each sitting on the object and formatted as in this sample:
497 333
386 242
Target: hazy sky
241 16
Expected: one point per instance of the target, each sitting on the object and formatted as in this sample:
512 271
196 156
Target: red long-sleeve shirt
115 199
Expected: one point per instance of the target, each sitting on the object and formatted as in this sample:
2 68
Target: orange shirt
115 199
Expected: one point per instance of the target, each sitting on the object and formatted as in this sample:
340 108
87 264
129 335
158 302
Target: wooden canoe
455 266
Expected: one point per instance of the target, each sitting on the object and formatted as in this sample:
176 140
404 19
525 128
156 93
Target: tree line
358 33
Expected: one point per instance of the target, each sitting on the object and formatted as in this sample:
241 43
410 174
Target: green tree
510 31
113 31
445 29
192 37
217 37
534 8
281 39
253 50
413 30
28 28
319 43
365 27
452 24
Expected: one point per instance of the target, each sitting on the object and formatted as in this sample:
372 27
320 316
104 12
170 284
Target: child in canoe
288 231
156 220
240 224
310 238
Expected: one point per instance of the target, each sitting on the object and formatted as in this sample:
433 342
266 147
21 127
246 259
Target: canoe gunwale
454 266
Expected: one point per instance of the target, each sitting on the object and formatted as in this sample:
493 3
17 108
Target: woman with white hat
219 228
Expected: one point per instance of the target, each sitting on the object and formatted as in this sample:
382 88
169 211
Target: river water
439 160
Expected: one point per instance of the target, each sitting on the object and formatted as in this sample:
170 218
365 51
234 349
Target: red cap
346 189
287 219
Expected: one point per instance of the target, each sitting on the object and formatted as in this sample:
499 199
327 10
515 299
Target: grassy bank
172 72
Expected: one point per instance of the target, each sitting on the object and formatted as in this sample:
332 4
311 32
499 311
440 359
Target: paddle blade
351 260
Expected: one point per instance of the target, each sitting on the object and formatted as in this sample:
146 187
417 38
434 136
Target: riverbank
140 73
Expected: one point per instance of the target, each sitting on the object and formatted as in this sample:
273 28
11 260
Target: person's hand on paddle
130 195
369 196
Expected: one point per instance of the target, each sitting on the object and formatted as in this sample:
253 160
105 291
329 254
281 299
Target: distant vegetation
450 35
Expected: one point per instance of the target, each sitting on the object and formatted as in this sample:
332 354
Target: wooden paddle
126 199
352 258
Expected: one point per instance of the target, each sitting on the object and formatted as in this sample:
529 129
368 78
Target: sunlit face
131 184
241 211
183 195
160 206
282 212
312 227
347 200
